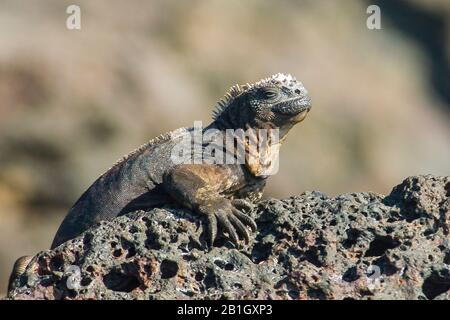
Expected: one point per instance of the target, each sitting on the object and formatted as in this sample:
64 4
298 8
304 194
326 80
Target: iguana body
148 177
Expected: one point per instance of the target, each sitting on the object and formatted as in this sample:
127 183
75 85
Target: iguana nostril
297 91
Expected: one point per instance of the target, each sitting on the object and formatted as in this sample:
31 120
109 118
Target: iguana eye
269 94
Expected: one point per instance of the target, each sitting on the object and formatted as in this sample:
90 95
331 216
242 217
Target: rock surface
353 246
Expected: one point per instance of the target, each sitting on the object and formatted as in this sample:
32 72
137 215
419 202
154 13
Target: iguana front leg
209 190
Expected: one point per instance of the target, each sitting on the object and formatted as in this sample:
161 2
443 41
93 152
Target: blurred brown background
73 102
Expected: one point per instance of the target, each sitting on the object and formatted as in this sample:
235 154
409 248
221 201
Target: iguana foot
243 204
226 214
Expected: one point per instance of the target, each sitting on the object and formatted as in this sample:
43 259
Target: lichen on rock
310 246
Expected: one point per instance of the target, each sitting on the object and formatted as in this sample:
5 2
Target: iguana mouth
293 107
301 116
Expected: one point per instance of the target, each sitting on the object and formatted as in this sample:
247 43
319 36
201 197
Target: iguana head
279 101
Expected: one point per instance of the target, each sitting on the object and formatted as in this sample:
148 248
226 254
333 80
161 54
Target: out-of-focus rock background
72 102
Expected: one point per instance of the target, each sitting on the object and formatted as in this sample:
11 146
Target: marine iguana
148 177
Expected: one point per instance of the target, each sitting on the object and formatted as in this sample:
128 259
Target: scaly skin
148 178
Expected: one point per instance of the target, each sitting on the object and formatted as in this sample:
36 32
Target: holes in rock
447 257
386 266
125 246
43 266
57 263
210 279
87 240
168 268
220 263
223 265
133 229
47 282
151 243
389 229
314 255
71 294
188 293
350 275
364 292
199 276
129 247
293 294
131 252
352 238
148 270
173 238
316 293
435 285
380 245
85 282
229 267
237 286
307 226
261 252
378 217
117 253
118 281
189 257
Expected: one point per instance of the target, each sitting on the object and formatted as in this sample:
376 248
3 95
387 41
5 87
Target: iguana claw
232 221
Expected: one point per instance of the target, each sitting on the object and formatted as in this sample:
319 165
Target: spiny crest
237 90
172 135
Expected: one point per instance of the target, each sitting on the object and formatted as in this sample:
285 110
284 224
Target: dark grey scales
147 178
